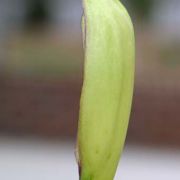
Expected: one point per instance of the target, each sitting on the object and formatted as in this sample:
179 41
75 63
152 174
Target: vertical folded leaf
107 88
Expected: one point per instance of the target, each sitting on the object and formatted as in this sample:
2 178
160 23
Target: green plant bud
106 98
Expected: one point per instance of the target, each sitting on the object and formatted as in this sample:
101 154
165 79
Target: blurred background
41 68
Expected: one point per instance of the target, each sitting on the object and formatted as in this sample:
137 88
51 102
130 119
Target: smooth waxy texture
107 88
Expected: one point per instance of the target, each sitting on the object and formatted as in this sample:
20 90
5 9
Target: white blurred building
11 15
62 13
64 16
67 11
166 18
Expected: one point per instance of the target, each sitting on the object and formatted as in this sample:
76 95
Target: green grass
31 57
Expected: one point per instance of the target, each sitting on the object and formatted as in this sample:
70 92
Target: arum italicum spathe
107 88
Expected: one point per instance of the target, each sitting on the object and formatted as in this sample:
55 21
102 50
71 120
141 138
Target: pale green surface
107 88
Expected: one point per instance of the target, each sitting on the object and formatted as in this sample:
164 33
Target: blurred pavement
42 160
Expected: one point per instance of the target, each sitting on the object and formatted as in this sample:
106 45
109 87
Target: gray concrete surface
29 159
